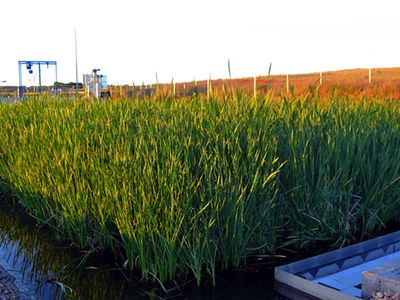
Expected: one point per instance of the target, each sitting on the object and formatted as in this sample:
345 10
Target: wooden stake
255 87
208 87
287 83
369 76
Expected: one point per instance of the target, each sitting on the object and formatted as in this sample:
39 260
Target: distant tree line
68 85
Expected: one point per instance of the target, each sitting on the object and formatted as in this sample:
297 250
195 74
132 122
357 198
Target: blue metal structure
29 64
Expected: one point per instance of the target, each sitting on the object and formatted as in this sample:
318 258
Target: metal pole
229 69
56 80
320 78
40 78
20 89
76 67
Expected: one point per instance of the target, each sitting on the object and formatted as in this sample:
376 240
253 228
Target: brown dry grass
354 82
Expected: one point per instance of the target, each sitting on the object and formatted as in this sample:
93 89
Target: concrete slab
353 277
384 278
338 274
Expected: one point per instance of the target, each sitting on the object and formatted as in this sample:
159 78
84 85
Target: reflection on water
45 271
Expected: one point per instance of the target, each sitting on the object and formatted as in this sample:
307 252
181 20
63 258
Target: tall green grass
191 186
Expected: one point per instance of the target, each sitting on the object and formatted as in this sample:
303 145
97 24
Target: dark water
45 270
239 285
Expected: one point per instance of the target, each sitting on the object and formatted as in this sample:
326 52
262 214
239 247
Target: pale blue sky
131 40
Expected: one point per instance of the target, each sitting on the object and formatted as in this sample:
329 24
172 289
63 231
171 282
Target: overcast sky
185 39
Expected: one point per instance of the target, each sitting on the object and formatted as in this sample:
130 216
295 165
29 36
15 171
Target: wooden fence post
208 87
255 87
369 76
287 83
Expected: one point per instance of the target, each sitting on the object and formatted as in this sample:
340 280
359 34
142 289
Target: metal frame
39 63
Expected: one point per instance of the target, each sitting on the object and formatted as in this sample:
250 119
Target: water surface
47 269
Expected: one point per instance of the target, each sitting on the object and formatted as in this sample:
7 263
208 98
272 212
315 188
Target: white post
287 83
320 78
156 82
96 84
255 87
87 91
96 93
174 87
369 76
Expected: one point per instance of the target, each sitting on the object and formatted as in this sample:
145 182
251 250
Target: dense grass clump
187 186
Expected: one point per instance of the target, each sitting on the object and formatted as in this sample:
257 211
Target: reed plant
190 186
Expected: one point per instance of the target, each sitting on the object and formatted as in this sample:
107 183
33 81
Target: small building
95 85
